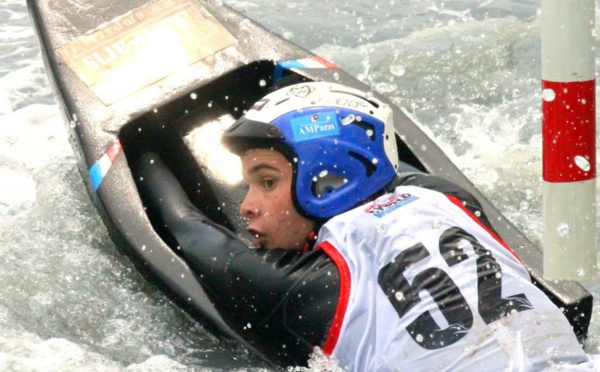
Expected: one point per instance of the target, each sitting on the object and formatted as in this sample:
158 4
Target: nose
249 206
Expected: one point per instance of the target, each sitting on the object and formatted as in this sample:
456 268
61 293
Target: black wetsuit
281 301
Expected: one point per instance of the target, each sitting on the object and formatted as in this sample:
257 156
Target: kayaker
380 265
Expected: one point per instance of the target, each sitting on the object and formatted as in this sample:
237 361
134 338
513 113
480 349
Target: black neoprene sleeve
282 302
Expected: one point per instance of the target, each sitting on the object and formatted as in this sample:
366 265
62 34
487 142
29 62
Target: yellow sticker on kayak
144 46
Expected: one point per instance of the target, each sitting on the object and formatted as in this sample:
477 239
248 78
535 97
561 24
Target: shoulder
431 182
446 187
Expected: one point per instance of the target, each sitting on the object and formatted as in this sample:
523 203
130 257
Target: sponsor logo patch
381 209
324 124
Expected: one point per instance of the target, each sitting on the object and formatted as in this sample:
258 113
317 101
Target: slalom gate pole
569 139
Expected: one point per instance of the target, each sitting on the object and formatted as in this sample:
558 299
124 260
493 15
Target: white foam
24 351
158 363
17 191
33 137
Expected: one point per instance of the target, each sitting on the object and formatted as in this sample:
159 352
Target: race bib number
404 295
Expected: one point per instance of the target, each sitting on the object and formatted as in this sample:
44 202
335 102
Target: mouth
258 238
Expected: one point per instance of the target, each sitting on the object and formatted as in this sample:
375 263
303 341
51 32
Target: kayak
171 75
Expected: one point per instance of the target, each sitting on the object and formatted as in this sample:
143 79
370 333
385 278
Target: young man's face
273 221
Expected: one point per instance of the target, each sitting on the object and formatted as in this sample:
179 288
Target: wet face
273 221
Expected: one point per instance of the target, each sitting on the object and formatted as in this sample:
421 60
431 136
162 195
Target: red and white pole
569 139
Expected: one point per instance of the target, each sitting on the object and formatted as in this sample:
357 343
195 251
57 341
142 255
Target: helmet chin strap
310 242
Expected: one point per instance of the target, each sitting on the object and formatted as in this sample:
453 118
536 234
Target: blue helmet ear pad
340 160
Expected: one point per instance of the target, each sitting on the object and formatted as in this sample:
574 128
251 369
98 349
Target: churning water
468 70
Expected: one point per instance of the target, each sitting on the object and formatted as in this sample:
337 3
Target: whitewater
468 70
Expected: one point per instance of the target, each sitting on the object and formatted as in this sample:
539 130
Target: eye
269 183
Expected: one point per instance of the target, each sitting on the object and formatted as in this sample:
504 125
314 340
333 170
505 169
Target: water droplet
193 96
370 132
336 76
399 296
477 213
249 325
397 70
581 272
548 95
375 161
323 173
582 163
315 179
419 338
143 247
463 244
262 82
563 230
348 119
498 275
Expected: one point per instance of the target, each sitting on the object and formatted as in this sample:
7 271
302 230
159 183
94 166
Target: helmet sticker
307 127
381 209
301 91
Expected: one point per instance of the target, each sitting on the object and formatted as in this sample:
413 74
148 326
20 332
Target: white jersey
426 286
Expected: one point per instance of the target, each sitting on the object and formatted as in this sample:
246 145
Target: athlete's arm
282 302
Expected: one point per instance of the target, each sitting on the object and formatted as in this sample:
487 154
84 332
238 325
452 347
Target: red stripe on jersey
340 312
459 204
